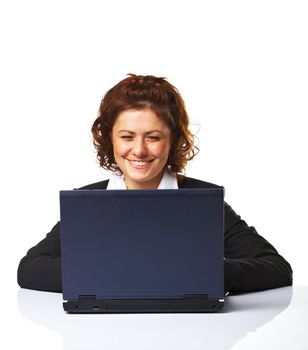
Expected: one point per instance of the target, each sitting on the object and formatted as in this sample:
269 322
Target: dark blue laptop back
142 245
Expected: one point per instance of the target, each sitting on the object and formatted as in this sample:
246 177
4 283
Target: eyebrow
148 132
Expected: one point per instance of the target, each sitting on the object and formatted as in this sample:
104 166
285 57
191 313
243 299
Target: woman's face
141 144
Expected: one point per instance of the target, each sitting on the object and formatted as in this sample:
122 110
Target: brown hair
141 92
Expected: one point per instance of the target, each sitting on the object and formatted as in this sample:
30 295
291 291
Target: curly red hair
144 92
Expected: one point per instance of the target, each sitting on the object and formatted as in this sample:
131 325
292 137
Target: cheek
163 150
120 148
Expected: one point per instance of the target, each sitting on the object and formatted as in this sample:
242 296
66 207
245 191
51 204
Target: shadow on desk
242 314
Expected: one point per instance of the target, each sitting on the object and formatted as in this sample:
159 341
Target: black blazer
251 263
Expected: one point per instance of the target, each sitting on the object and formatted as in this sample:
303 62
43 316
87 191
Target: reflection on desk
273 319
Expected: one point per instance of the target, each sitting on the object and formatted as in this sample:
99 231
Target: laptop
131 251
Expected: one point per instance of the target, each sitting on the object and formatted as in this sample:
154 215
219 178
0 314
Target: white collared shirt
168 181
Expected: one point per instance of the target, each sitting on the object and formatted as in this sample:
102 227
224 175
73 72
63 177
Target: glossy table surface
273 319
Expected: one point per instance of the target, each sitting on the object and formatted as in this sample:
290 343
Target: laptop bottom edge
185 305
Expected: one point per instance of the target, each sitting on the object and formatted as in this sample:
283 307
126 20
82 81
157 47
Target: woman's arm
251 263
41 268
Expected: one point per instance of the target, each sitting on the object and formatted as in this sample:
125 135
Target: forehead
139 119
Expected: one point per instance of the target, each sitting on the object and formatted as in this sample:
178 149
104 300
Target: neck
148 185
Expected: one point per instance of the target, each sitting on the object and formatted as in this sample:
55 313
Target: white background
241 67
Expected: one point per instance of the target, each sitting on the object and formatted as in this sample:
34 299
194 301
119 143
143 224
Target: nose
140 149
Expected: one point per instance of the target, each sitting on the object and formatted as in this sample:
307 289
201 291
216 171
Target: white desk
275 319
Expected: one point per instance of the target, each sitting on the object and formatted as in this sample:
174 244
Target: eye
154 138
126 137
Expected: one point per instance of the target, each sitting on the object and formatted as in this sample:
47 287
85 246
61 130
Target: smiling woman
141 145
142 136
159 106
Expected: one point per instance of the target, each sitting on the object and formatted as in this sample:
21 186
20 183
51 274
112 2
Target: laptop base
193 304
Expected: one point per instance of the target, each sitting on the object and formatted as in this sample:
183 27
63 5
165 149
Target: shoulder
101 185
231 217
183 182
189 182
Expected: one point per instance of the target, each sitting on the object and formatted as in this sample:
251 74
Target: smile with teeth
139 163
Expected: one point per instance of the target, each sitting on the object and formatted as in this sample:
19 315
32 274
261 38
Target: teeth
138 163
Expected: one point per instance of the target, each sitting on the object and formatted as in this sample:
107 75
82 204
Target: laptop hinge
196 296
91 297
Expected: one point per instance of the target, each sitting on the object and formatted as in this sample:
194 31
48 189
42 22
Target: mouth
140 164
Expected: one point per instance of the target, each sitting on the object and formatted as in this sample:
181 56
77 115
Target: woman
141 135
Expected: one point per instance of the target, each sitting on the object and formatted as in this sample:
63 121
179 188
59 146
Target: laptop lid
142 250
